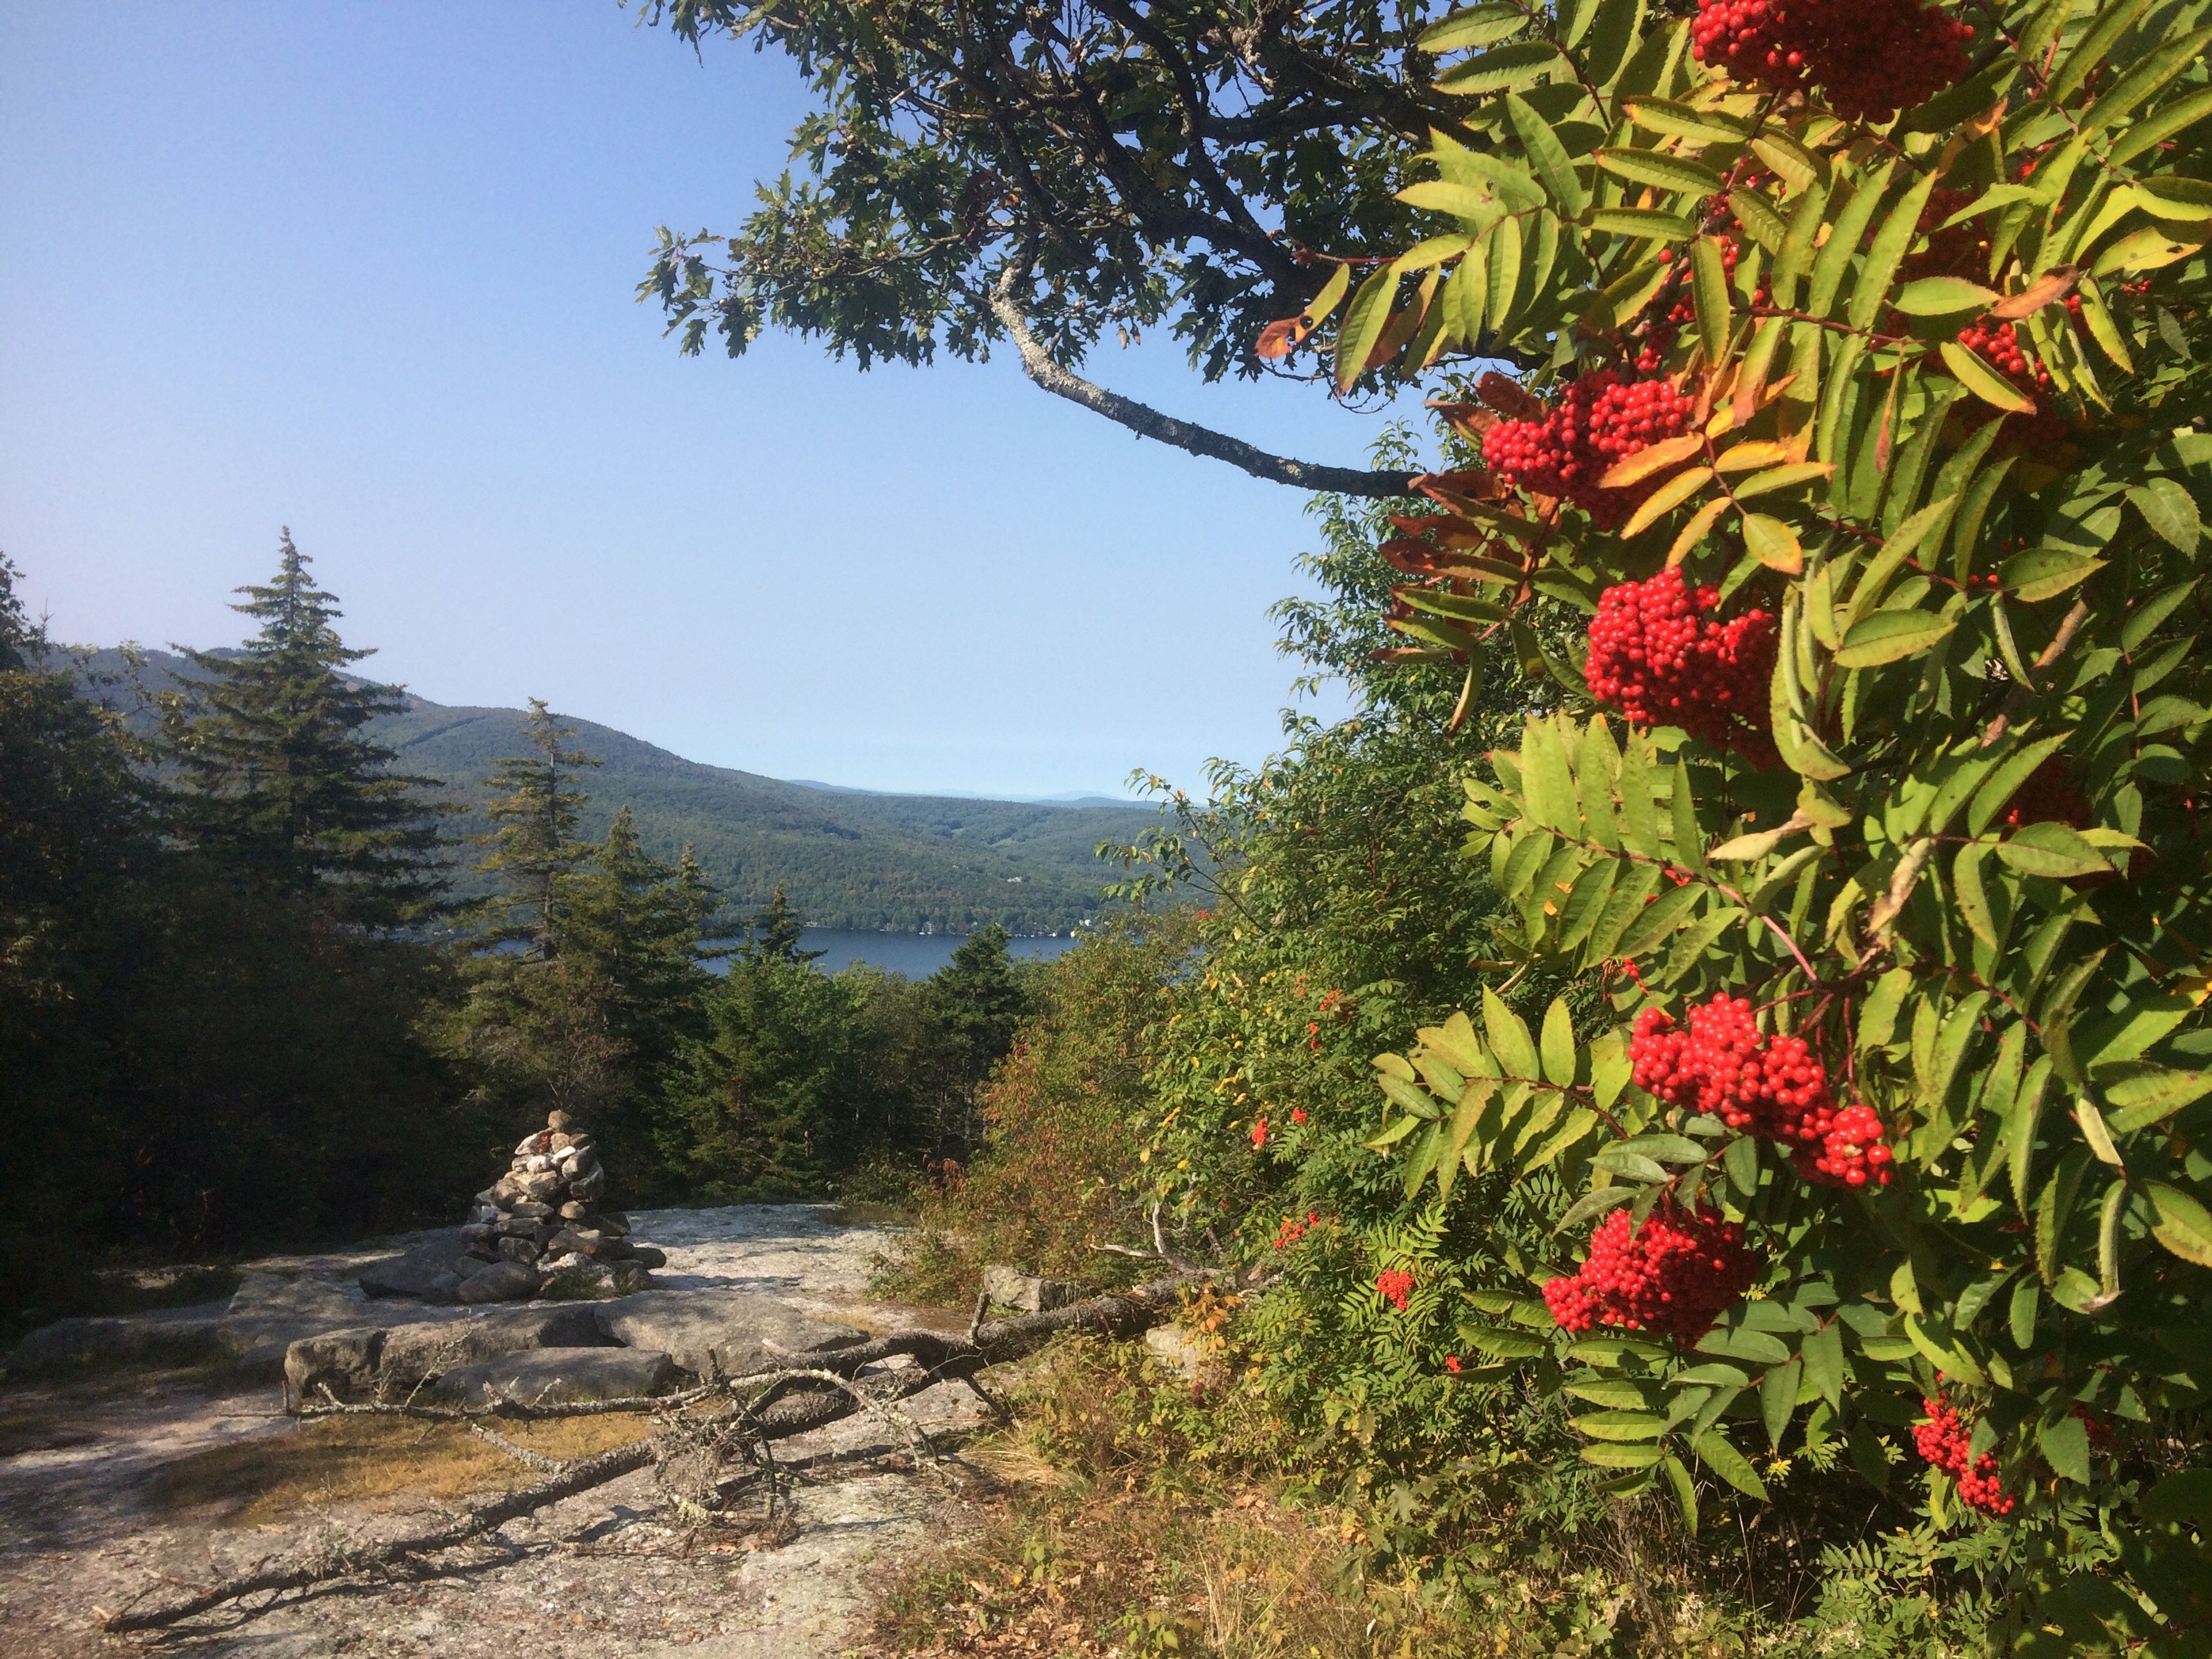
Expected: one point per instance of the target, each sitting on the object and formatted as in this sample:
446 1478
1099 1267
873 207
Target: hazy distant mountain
848 858
1073 798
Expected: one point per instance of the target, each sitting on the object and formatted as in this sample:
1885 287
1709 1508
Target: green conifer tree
276 776
534 847
775 931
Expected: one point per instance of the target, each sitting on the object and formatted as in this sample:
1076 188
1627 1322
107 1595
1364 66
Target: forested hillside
845 858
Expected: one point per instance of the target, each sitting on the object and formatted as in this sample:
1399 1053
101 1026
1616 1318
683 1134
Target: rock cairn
541 1220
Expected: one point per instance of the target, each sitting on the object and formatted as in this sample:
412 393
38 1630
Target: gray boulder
504 1281
412 1272
344 1362
1025 1291
717 1332
555 1376
415 1351
183 1334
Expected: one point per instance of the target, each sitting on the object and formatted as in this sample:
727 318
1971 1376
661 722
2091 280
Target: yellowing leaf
1773 543
1694 532
1653 457
1665 499
1984 381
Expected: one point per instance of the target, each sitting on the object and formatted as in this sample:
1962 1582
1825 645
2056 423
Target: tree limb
771 1416
1148 423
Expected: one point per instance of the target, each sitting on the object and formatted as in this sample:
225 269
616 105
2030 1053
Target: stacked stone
542 1218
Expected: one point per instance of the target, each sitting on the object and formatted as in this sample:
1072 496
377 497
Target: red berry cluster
1873 56
1293 1229
1946 1441
1774 1088
1676 1274
1259 1134
1998 343
1655 655
1600 417
1396 1284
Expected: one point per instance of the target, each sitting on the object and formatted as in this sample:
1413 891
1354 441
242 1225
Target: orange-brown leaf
2051 286
1509 398
1652 458
1278 339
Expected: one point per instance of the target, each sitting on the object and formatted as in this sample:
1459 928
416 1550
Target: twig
2017 699
538 1461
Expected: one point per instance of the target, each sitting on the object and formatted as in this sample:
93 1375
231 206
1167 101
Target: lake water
915 955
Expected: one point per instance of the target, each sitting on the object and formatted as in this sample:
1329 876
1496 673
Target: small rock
536 1164
572 1210
445 1288
1175 1348
477 1231
612 1222
645 1255
510 1281
518 1249
1011 1288
531 1209
344 1361
542 1185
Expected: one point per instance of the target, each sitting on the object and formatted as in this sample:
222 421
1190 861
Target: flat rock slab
727 1332
415 1272
558 1375
180 1333
366 1360
268 1314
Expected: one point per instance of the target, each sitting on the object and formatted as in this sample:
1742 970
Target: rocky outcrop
549 1376
718 1333
1009 1287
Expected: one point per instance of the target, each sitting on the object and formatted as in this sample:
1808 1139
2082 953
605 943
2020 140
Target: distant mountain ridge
847 858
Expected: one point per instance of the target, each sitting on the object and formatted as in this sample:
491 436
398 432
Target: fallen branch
580 1477
773 1414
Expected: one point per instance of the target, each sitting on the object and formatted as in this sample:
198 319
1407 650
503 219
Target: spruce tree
276 776
775 931
534 849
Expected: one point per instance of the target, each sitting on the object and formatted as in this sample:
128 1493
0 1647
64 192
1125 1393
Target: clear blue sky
367 269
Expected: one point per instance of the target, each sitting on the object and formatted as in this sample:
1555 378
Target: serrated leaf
1595 1202
1608 1457
1888 635
1674 1149
1501 1344
1619 1425
1665 499
2050 848
1679 121
1708 295
2039 573
1363 322
1782 477
1886 253
1615 1392
1478 26
1973 900
2170 510
2150 1094
1634 1166
1822 1351
1652 458
1547 156
1520 65
1673 173
2142 250
1974 373
2065 1446
1646 224
2184 1225
1773 543
1777 1399
1714 1452
1943 296
1759 1347
1558 1043
1509 1037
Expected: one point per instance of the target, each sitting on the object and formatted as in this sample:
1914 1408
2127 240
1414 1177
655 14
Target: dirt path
110 1487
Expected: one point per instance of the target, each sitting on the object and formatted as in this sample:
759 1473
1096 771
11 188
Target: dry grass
375 1463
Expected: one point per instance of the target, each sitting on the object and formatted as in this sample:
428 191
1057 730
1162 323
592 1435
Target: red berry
1773 1088
1676 1274
1872 57
1654 656
1947 1442
1395 1284
1599 419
